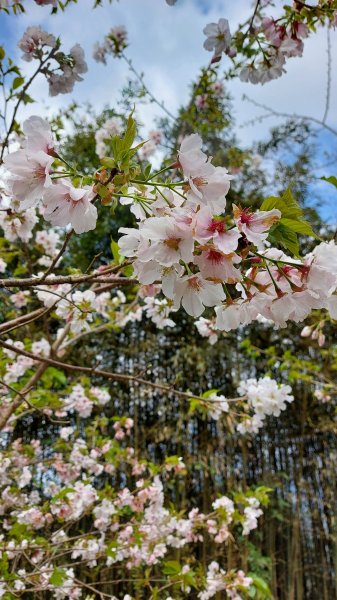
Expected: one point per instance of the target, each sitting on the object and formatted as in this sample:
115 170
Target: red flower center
216 225
246 216
214 256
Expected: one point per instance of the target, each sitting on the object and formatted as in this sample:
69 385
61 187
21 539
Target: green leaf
298 226
118 258
52 376
332 179
172 567
108 162
286 238
287 204
27 99
147 172
2 53
209 393
128 271
291 223
293 208
18 82
62 494
57 577
270 203
130 133
261 586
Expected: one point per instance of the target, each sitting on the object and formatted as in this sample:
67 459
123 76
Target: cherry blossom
206 184
65 204
255 226
30 176
3 265
211 228
32 39
195 293
206 328
218 37
18 224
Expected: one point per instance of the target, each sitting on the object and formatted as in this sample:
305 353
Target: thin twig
122 377
328 83
140 78
276 113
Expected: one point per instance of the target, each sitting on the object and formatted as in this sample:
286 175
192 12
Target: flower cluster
16 223
315 332
65 70
281 43
122 528
215 91
218 39
150 145
18 365
114 43
31 170
218 580
264 397
187 242
260 51
206 328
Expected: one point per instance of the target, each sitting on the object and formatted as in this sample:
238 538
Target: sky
166 43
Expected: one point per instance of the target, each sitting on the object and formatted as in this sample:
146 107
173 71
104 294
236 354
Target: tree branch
121 377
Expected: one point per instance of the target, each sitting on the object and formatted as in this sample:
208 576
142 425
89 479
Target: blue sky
166 43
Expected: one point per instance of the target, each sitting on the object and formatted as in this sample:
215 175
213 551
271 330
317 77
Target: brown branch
7 410
23 320
31 406
58 256
74 279
122 377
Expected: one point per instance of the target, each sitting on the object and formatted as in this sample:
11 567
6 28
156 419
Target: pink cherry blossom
217 266
194 293
65 204
256 225
211 228
29 176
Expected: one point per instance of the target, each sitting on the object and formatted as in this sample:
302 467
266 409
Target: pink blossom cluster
315 333
81 310
207 329
186 242
114 43
150 146
265 46
158 310
31 181
17 224
218 580
215 90
17 365
281 43
67 68
143 539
